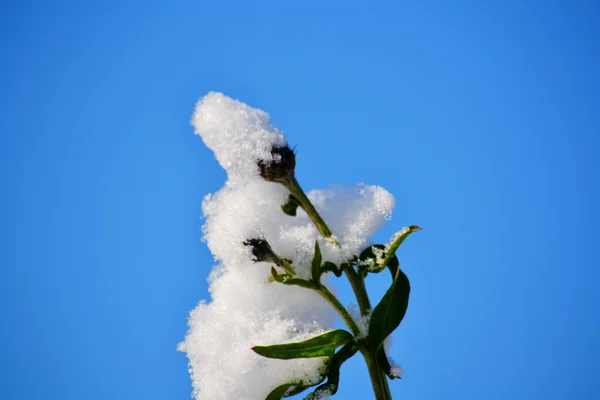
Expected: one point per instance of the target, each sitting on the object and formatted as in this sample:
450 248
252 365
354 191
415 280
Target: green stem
281 263
298 193
358 286
378 378
327 295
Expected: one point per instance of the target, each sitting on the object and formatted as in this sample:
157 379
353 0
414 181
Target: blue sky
481 117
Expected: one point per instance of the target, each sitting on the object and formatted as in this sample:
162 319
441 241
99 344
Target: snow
396 369
362 321
245 309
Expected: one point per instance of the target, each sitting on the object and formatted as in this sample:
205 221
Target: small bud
261 250
281 168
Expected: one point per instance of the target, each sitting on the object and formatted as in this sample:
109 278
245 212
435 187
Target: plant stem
327 295
358 286
296 190
378 378
281 263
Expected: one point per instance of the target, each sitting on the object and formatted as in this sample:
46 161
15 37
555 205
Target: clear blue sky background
482 117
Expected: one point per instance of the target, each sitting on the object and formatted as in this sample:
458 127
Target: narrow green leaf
282 278
384 362
319 346
333 376
287 279
290 206
289 390
324 391
370 260
376 257
390 311
294 388
393 266
301 282
280 391
299 389
371 256
316 263
373 259
328 266
345 266
397 239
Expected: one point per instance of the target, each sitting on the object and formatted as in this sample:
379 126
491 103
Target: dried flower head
261 250
281 168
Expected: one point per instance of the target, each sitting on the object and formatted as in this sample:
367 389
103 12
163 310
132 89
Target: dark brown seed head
261 250
281 168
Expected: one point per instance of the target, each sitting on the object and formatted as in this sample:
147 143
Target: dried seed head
281 168
261 250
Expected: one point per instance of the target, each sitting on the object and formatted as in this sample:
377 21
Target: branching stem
327 295
378 378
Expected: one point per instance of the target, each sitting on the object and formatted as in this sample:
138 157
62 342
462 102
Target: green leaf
287 279
393 266
316 263
333 376
390 311
294 388
376 257
281 278
280 391
290 206
397 240
328 266
300 389
302 283
384 362
369 258
346 265
319 346
370 262
289 390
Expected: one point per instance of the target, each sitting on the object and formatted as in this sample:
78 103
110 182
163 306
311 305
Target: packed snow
245 309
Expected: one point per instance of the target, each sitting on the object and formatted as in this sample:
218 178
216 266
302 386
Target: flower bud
281 168
261 250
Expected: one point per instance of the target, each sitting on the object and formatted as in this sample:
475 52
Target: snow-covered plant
268 331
